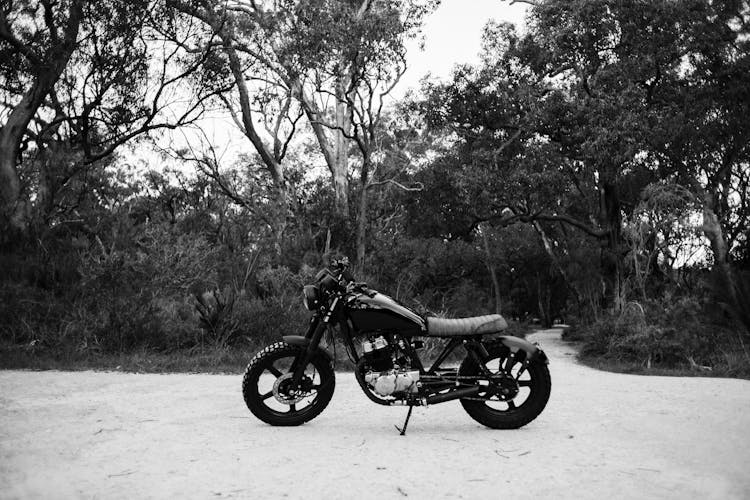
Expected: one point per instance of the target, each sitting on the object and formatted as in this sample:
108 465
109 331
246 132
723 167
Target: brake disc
281 391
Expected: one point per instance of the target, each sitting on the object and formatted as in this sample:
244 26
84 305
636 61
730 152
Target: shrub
262 321
670 333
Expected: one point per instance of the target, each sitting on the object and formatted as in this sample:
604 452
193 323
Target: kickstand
402 430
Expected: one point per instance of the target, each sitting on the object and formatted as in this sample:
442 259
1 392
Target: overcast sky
452 35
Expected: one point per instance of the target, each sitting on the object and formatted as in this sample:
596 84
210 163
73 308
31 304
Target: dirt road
602 435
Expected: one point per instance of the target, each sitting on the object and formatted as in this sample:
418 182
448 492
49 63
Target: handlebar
341 266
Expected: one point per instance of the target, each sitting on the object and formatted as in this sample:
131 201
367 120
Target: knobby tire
512 418
261 363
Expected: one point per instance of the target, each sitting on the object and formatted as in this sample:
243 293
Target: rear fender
517 344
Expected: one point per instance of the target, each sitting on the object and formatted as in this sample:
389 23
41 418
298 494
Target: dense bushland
687 334
593 168
196 280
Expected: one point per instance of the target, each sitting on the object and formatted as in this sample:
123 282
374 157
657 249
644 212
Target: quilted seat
478 325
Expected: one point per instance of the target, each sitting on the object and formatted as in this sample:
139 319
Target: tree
41 55
571 121
342 59
675 74
259 103
337 59
73 71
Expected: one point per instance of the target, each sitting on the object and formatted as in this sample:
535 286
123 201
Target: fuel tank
376 311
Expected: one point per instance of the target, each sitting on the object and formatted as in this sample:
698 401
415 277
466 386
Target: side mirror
341 264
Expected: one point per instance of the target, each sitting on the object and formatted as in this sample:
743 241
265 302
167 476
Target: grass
619 366
207 359
222 360
729 370
676 340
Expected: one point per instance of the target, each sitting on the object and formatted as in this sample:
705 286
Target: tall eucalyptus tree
337 59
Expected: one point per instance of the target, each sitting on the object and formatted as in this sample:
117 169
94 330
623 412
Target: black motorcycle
503 382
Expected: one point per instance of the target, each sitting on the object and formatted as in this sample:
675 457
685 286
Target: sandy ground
602 435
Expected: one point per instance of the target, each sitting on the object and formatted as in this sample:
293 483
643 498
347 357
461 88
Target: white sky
452 35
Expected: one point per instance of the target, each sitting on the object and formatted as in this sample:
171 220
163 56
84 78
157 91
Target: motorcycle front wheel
514 394
267 390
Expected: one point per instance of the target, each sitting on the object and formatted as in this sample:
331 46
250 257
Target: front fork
314 333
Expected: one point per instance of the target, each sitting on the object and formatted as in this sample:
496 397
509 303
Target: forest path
122 435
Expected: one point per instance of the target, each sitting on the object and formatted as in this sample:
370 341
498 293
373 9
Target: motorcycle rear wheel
496 410
266 380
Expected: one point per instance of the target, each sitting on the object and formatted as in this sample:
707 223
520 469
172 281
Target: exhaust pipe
457 394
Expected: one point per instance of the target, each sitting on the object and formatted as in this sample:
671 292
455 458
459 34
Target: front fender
532 351
304 343
297 340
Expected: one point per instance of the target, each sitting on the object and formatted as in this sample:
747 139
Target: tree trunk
335 151
280 224
543 302
723 269
45 195
362 231
341 156
51 161
611 219
15 210
556 262
362 215
271 162
493 273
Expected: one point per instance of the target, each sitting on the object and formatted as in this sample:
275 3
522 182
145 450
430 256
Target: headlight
310 297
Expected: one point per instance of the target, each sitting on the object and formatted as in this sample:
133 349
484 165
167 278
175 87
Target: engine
387 372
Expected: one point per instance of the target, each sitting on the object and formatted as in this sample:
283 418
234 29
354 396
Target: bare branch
418 187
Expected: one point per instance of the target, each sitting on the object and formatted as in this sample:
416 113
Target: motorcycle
503 382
